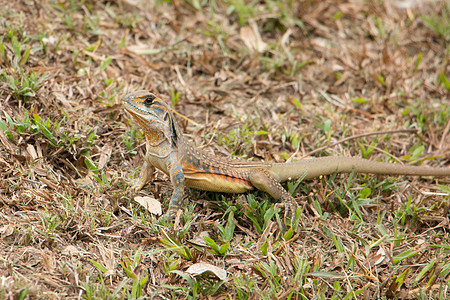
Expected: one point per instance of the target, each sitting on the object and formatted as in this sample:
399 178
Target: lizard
169 151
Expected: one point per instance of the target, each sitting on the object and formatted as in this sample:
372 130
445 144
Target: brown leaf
6 142
150 204
205 268
378 258
48 260
6 230
108 259
252 39
199 240
32 152
71 250
105 154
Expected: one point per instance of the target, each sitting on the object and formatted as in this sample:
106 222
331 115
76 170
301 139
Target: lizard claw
137 186
289 210
172 216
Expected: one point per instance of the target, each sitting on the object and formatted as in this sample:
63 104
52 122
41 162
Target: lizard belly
217 183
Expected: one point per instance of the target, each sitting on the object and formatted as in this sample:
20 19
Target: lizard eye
149 100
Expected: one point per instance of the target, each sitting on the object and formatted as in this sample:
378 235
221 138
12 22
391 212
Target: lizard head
152 114
144 106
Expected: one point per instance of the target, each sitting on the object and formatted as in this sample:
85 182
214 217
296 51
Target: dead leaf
39 171
381 256
378 258
199 240
105 154
6 230
70 250
49 183
6 142
32 152
205 268
48 260
6 282
62 98
143 49
150 204
108 259
252 39
326 275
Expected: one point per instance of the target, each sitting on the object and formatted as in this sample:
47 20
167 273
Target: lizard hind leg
264 181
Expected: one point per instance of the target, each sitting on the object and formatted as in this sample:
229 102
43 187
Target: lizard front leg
176 202
177 178
146 175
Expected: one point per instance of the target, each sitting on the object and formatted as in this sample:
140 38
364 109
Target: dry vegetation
258 79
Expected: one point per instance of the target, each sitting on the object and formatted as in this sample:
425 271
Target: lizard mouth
144 114
134 112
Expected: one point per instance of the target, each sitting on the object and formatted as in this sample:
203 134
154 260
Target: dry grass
322 71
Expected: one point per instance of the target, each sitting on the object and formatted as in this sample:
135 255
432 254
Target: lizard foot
137 185
289 210
173 216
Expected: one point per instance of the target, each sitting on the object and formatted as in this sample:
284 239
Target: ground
262 80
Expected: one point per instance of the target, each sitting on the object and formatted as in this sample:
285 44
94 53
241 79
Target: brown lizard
170 152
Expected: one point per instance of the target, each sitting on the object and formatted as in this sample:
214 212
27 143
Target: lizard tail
315 167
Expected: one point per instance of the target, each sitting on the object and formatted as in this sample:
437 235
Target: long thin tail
315 167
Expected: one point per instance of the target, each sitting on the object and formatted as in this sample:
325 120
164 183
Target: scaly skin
168 151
